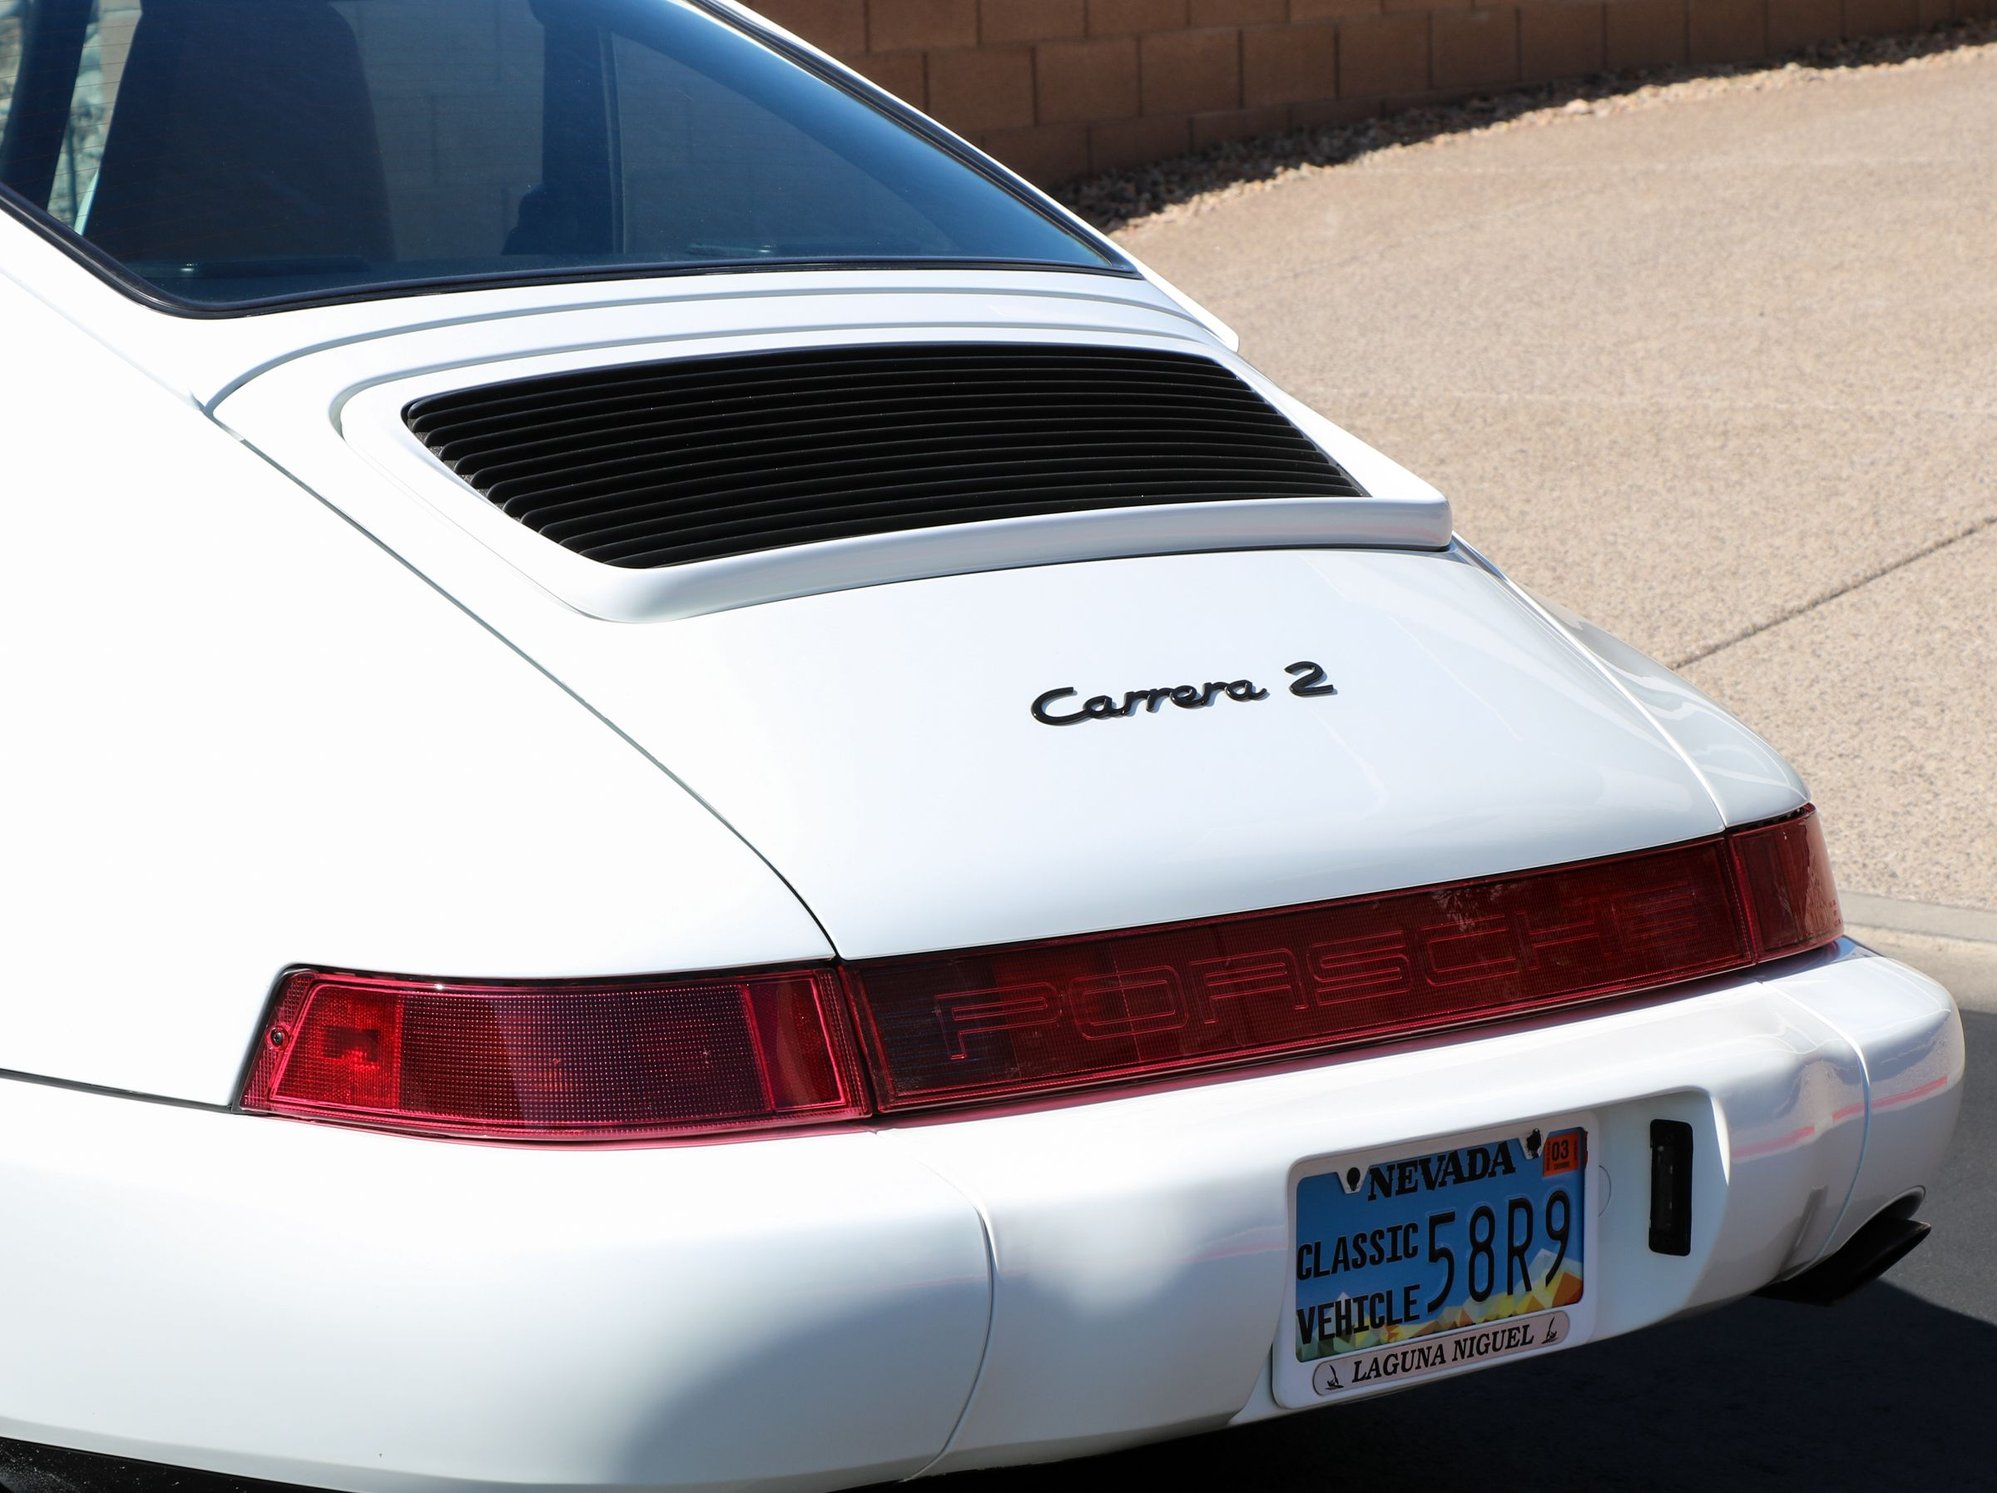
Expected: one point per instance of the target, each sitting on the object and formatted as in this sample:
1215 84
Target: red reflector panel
603 1060
1785 876
998 1022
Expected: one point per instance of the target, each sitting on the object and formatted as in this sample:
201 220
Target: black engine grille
662 463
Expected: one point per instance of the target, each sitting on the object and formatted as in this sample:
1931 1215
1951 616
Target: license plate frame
1369 1228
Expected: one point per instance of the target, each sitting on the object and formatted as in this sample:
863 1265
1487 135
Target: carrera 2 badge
1307 680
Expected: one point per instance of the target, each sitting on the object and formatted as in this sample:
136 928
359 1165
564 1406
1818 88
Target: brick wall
1060 88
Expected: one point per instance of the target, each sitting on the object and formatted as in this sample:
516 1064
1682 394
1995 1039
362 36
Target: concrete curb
1955 945
1929 920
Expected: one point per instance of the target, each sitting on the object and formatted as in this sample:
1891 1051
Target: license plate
1413 1265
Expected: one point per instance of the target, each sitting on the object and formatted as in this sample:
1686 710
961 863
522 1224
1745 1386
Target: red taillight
1785 879
1002 1023
597 1061
621 1060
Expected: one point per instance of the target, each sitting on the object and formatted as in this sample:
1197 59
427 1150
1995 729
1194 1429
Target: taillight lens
597 1060
1052 1015
689 1056
995 1024
1785 879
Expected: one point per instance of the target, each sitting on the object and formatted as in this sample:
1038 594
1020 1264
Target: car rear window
231 153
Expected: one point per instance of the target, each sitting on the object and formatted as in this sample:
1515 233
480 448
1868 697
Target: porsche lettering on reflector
945 1028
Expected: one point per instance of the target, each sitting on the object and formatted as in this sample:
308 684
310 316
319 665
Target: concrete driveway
1717 367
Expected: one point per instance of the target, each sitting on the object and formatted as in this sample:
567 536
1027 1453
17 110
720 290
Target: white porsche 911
697 798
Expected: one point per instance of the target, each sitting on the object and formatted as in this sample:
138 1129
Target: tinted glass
233 151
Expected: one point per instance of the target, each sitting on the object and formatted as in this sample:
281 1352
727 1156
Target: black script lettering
1046 717
1310 679
1151 701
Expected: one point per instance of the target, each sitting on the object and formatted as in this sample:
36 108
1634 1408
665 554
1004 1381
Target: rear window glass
231 152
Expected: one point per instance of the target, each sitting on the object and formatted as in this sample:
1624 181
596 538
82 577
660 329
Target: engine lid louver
658 464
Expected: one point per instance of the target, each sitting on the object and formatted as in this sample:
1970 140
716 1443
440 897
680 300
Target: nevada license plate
1412 1265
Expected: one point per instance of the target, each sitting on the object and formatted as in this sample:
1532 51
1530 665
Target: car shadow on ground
1882 1390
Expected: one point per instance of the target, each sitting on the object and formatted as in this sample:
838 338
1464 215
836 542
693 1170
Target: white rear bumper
364 1312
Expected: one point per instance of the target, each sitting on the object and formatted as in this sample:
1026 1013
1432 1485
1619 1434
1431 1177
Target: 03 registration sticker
1412 1265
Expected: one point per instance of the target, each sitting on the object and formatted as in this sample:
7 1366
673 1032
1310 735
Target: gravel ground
1197 183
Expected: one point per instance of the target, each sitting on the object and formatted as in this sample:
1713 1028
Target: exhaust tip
1885 1241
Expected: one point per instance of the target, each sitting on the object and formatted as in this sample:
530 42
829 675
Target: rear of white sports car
698 800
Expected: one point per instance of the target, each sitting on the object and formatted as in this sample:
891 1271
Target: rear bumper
362 1312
